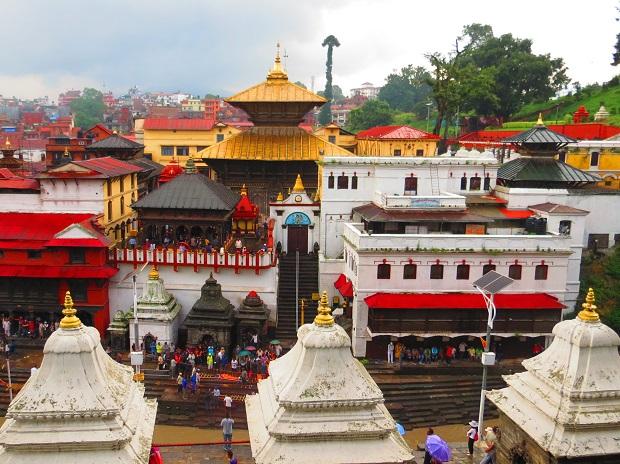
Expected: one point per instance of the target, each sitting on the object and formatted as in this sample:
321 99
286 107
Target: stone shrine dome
319 404
80 406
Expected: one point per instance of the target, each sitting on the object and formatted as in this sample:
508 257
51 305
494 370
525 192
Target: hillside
591 97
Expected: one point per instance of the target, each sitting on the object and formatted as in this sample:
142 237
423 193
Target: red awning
344 286
461 301
516 213
58 272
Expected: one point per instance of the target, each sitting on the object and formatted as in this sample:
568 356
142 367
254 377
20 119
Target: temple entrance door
297 239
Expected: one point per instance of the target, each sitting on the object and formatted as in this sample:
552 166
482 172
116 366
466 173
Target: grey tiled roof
190 191
116 141
543 169
539 134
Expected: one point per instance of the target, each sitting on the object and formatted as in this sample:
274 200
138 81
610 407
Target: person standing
228 402
390 352
180 383
472 436
489 440
227 431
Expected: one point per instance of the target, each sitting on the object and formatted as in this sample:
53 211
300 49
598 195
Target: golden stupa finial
67 154
280 197
7 142
70 320
277 72
244 191
540 120
588 313
299 185
324 317
317 195
190 167
154 274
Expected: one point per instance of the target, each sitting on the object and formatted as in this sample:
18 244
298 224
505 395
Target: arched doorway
181 233
196 231
297 232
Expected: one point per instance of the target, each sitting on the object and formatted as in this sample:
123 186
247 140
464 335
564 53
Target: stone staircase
308 284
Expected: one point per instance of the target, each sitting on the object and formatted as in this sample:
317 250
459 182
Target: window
77 256
331 138
487 183
34 254
464 182
383 271
354 181
133 181
109 210
410 271
562 156
109 187
488 268
330 181
474 183
419 152
397 152
122 205
437 271
540 273
343 182
565 227
200 147
411 185
182 151
594 158
462 272
219 137
167 151
79 290
514 271
121 181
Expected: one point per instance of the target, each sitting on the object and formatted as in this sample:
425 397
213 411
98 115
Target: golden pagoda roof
276 89
273 144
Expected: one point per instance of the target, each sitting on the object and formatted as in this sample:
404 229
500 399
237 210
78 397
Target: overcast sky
202 46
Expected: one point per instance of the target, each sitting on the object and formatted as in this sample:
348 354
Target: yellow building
335 134
193 104
164 139
395 141
601 157
101 185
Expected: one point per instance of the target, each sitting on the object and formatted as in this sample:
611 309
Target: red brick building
42 255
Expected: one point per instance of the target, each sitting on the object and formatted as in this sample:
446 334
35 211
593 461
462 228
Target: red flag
484 343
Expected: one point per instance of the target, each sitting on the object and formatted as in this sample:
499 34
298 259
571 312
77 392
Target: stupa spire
324 317
70 320
277 72
299 185
588 313
154 274
540 120
190 167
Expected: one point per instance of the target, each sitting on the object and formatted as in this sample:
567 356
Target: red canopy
344 286
58 272
461 301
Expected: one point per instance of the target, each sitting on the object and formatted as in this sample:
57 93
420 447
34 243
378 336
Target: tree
370 114
337 94
88 109
616 55
408 90
325 115
301 84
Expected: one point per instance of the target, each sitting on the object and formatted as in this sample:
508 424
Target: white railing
445 200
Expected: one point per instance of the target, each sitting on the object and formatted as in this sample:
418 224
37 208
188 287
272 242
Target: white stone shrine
79 407
319 404
158 312
567 403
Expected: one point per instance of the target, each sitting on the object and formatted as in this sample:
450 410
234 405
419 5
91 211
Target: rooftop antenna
285 56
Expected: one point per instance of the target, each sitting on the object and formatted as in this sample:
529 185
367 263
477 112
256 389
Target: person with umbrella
436 450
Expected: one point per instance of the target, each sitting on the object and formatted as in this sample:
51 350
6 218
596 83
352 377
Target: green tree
407 91
301 84
325 115
370 114
337 94
88 109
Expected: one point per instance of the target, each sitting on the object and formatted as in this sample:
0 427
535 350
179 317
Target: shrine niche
245 215
250 317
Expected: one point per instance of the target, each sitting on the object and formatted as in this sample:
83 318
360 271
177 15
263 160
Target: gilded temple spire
299 185
154 274
540 120
277 72
70 320
324 317
588 313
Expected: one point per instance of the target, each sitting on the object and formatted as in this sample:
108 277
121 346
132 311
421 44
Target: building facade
395 141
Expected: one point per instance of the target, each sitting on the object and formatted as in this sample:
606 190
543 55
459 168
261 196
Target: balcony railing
197 259
426 202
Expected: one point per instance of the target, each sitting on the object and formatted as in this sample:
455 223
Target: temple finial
154 274
540 120
244 191
280 197
277 72
70 320
324 317
299 185
190 167
588 313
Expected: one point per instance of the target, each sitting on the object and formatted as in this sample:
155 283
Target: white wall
70 196
21 202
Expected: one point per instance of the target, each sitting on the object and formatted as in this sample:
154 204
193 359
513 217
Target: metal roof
543 169
538 134
115 141
190 191
372 213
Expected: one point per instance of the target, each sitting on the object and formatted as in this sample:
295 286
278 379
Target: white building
366 90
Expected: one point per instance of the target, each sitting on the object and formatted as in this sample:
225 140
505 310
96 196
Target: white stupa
320 405
80 406
568 399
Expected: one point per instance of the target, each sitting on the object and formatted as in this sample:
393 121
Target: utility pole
297 288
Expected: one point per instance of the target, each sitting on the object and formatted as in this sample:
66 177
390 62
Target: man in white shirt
390 352
228 402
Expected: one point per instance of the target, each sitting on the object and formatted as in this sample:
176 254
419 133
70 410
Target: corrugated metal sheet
276 91
537 135
543 169
190 191
372 213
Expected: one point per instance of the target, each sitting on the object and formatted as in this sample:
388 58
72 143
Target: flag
484 343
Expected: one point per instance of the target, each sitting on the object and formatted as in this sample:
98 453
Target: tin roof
115 141
543 170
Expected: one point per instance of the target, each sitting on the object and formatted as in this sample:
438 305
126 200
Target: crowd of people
425 354
27 327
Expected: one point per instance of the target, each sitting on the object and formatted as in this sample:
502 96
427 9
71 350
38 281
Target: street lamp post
488 285
136 355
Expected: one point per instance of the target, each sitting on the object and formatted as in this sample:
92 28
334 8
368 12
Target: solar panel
493 282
